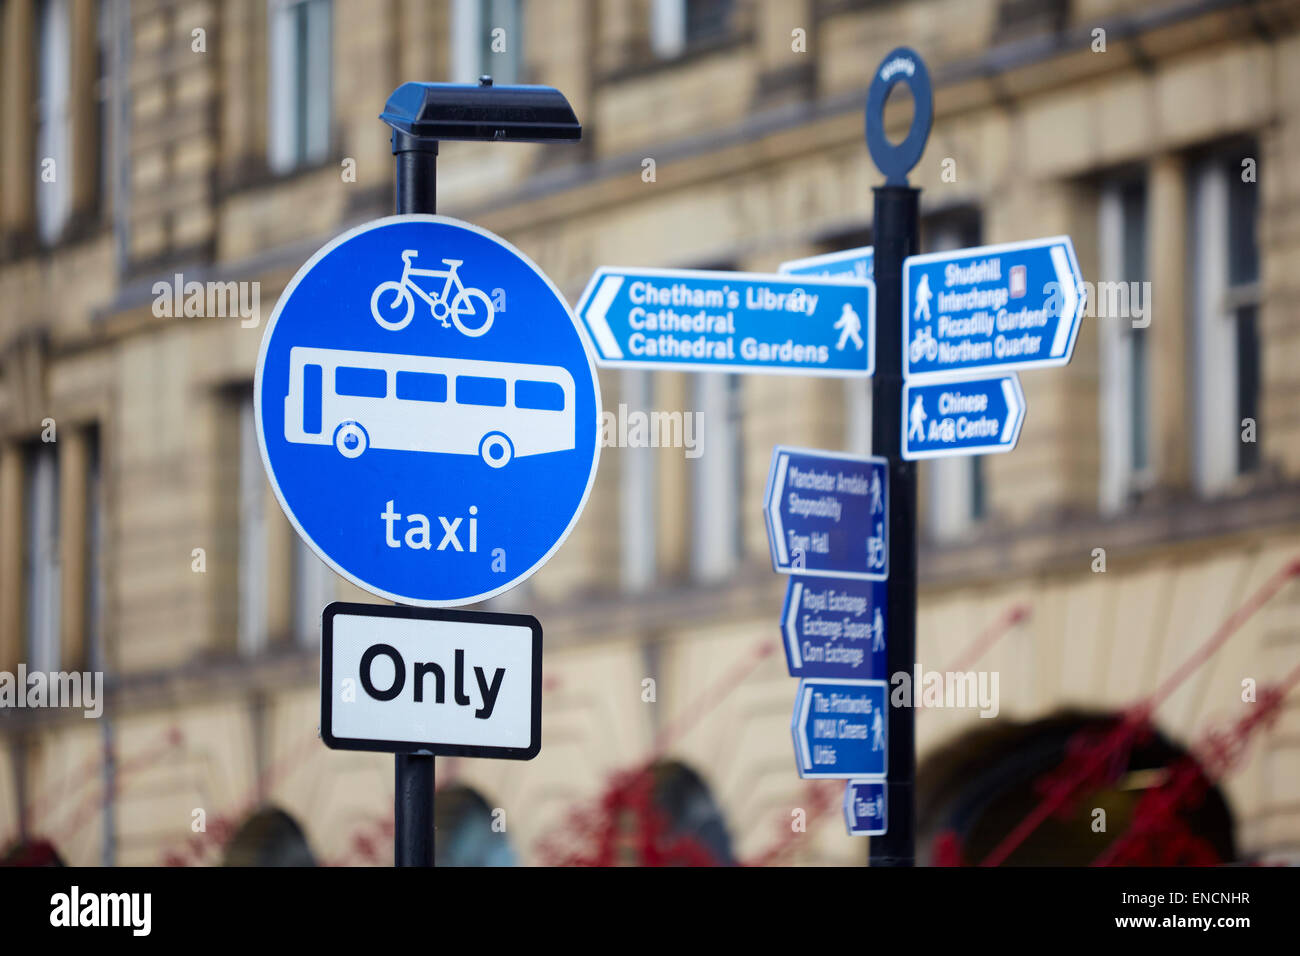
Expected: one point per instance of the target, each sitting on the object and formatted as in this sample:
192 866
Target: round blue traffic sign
427 410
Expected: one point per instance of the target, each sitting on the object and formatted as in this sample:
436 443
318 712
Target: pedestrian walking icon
851 323
923 297
917 417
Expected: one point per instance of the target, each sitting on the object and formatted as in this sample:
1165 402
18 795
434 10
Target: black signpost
416 191
421 115
895 238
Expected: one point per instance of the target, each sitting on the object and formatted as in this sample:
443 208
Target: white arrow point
595 316
1069 299
805 749
796 596
1014 409
774 510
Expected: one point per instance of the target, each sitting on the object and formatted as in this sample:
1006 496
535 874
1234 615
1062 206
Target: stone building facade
1155 491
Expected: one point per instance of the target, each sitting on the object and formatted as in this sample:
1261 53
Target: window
487 37
422 386
707 21
299 83
690 814
474 390
542 396
718 487
955 487
1224 301
43 584
1243 304
679 25
668 28
361 382
62 528
637 511
251 569
1125 399
53 161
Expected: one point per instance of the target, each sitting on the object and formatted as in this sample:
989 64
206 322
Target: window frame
42 565
472 23
1216 304
52 137
299 125
1124 420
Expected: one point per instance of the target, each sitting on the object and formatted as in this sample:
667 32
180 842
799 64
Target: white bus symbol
359 400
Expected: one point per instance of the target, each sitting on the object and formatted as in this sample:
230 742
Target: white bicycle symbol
455 301
924 344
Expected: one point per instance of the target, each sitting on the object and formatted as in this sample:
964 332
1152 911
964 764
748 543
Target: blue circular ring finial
902 65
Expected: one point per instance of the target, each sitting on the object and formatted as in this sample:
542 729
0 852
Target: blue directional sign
865 810
730 321
991 308
841 729
833 627
427 410
972 417
845 264
828 514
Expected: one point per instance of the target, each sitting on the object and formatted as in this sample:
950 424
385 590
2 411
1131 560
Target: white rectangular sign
424 680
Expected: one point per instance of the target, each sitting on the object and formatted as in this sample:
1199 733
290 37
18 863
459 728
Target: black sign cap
468 111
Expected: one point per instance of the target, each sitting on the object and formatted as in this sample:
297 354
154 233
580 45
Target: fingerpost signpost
940 336
951 327
894 228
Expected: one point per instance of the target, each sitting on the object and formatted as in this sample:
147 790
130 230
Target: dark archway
974 791
684 800
469 832
31 853
270 837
